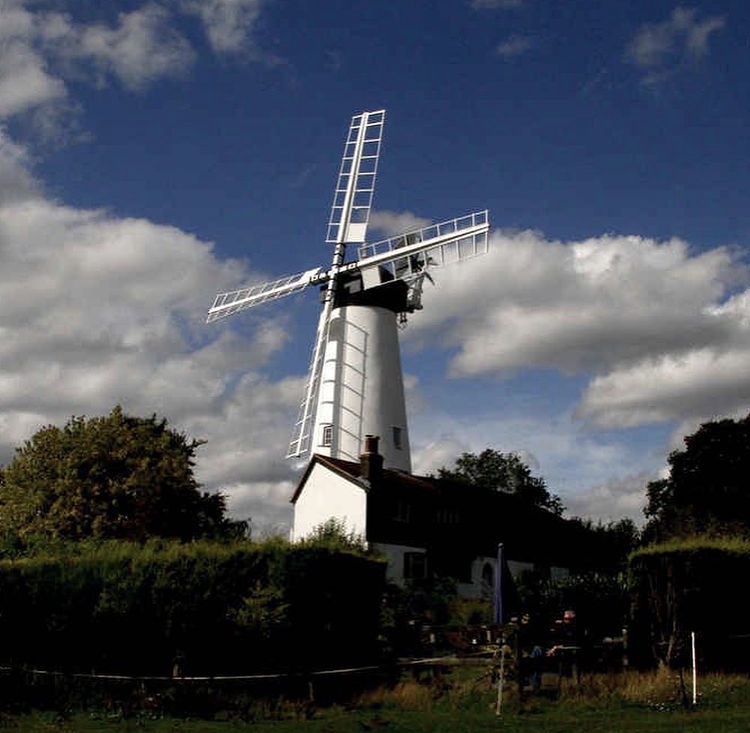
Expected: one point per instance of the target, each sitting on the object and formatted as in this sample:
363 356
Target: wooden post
695 669
499 703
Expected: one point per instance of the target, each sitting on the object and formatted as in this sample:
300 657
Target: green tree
492 469
112 477
706 488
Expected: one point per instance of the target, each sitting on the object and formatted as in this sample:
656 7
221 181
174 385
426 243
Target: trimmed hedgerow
686 586
210 608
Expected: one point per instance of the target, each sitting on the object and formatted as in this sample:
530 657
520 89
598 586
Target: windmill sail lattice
355 386
352 198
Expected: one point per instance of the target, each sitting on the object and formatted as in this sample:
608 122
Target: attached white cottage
432 527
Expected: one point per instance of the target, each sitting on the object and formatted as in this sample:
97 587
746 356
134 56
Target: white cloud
24 84
100 310
391 223
612 500
439 453
657 332
25 81
139 48
43 51
229 24
660 49
514 46
16 184
578 307
703 382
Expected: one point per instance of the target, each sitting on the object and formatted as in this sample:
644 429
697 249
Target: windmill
355 385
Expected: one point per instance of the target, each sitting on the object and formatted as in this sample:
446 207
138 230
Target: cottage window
326 437
402 511
447 516
415 566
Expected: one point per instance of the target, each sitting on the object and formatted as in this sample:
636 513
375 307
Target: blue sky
153 153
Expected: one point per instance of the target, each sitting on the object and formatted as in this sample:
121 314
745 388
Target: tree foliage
614 540
706 489
334 535
112 477
492 469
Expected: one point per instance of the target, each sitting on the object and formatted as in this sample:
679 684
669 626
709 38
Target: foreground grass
463 701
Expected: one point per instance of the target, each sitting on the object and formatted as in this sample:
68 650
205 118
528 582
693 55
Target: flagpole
498 617
498 599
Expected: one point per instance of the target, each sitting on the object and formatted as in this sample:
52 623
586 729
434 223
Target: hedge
691 586
212 608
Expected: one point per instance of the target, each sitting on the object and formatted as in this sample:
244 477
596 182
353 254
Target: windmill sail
352 198
409 256
299 445
225 304
347 224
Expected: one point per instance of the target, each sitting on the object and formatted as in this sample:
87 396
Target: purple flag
498 599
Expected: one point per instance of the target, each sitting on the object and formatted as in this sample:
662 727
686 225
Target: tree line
71 491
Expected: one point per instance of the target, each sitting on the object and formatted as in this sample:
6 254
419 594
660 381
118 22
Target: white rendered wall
361 388
326 495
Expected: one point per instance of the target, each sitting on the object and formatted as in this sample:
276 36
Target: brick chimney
371 462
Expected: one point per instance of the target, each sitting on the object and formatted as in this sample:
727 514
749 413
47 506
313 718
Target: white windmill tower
355 385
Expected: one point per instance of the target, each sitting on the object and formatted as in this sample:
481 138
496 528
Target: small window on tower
327 436
398 438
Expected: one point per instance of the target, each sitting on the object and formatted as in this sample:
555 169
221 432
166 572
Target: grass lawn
550 720
610 704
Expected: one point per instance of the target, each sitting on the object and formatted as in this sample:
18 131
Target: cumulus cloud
136 48
229 24
612 500
705 382
139 48
43 51
16 183
660 49
100 310
660 331
391 223
25 81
